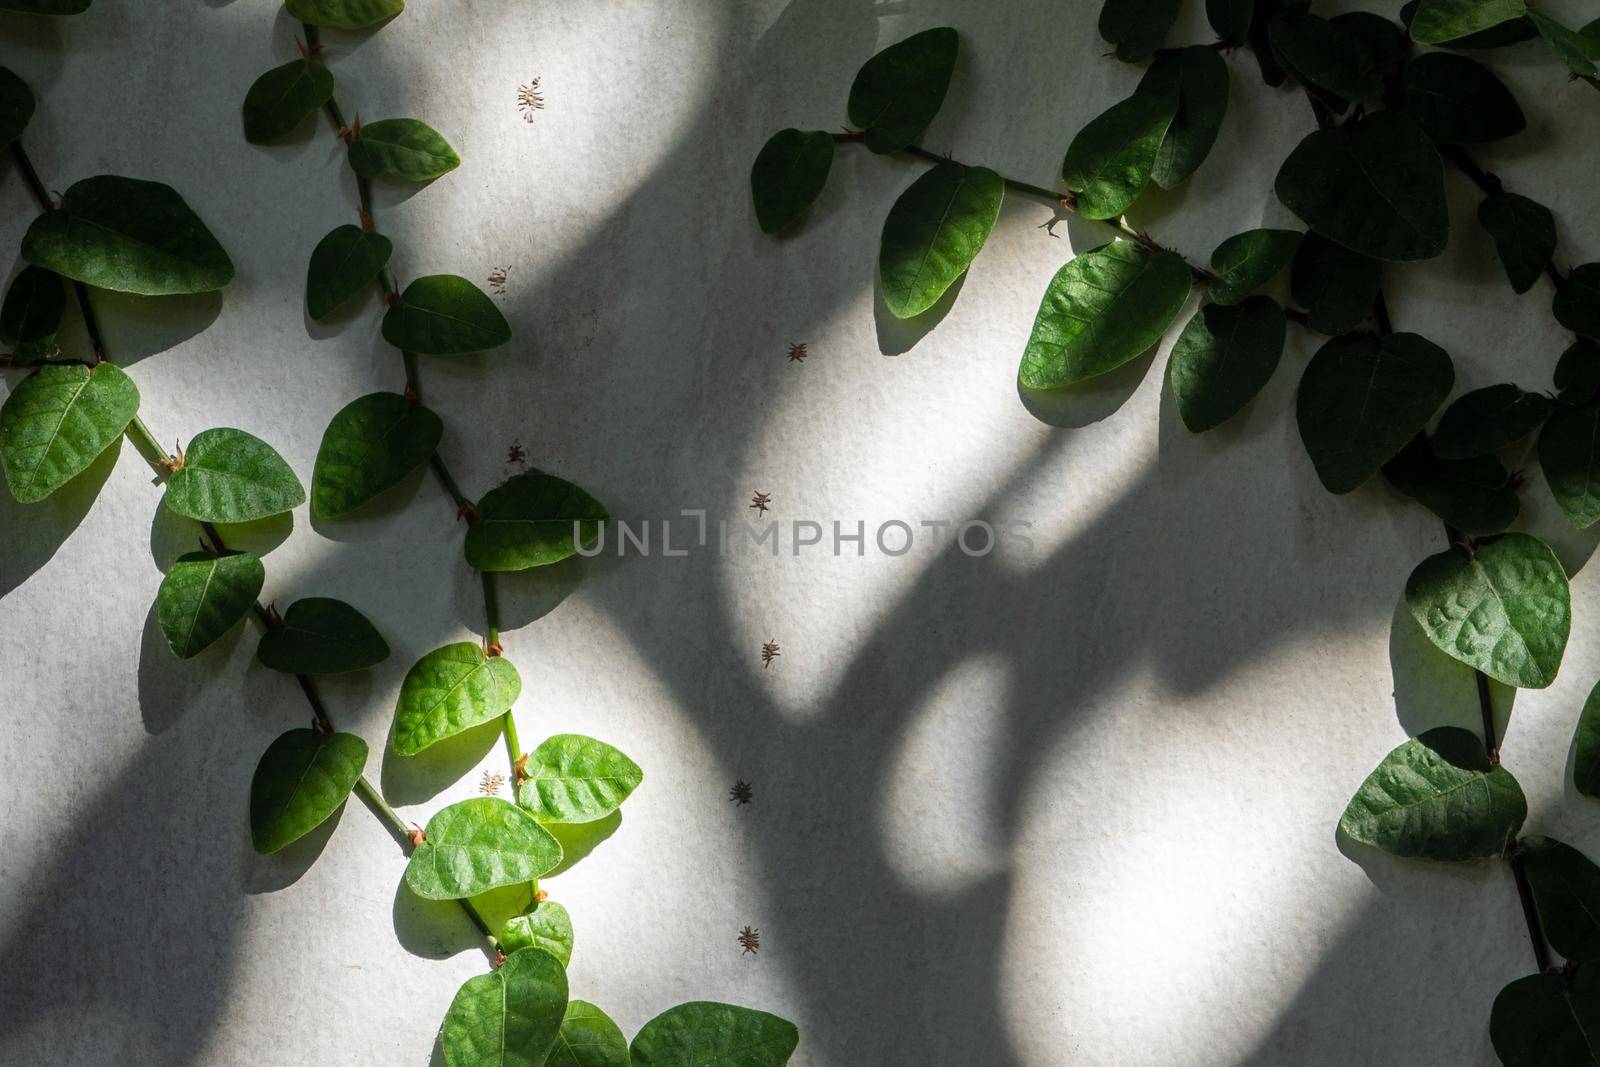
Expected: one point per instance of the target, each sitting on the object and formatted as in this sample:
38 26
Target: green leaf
1437 797
1437 21
1512 31
31 315
1569 453
1487 420
934 232
345 262
445 315
449 690
1577 375
1223 358
302 779
406 149
232 476
202 597
704 1034
16 106
1328 55
1473 495
1586 747
1546 1020
1199 77
369 447
477 845
282 98
1336 286
46 7
572 778
1386 39
532 520
1566 890
1577 300
1137 27
344 14
1580 53
1110 161
1361 401
320 635
1101 310
788 176
509 1017
546 925
1458 101
588 1039
1230 18
1247 261
1503 609
1377 189
57 421
1261 31
1524 234
897 92
128 235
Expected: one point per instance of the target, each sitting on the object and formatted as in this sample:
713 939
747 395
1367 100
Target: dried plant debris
742 792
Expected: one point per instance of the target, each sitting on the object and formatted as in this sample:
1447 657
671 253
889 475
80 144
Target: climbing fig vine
1388 117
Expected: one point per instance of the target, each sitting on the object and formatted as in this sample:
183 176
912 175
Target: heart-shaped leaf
129 235
57 421
1101 310
1437 21
1566 890
509 1017
1386 39
302 779
445 315
1473 495
546 925
1547 1020
1247 261
1577 374
478 845
320 635
1199 77
933 233
1264 11
345 262
1362 400
232 476
704 1034
1328 55
1377 188
532 520
1230 18
897 92
1137 27
1524 234
1437 797
1108 164
449 690
1580 52
1586 747
369 447
31 314
1487 420
16 106
588 1039
282 98
405 149
202 597
1223 357
1569 453
46 7
1458 101
1503 608
1577 300
1336 286
344 14
788 176
572 778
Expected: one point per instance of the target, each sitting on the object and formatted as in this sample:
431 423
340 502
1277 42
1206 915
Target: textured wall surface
1067 804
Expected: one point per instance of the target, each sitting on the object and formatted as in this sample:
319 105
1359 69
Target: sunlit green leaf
1437 21
320 635
1247 261
1110 160
405 149
934 231
1577 374
345 262
1548 1020
1488 419
1199 77
1577 301
1524 234
369 447
897 92
1569 454
16 106
1472 495
1579 52
1329 55
477 845
1586 747
1512 31
546 925
572 778
1336 286
203 596
31 314
703 1034
302 779
344 14
228 475
1566 890
1458 101
588 1039
445 315
1137 27
788 176
532 520
449 690
57 420
283 97
1223 358
509 1017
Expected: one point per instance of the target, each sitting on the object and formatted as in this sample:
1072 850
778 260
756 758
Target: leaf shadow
578 840
279 870
34 533
415 779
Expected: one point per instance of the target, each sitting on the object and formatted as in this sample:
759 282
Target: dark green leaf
1473 495
933 233
1577 376
345 262
344 14
1230 18
231 476
1377 189
1569 453
202 597
1328 55
1247 261
532 520
510 1017
1566 889
128 235
1101 310
16 106
897 92
1137 27
31 314
1503 609
406 149
1524 234
1437 797
1336 286
1386 39
1458 101
572 778
588 1039
1223 358
703 1034
445 315
1260 34
57 421
320 635
477 845
788 176
1437 21
369 447
46 7
283 97
302 779
449 690
1577 300
1361 401
1512 31
546 925
1586 747
1546 1020
1199 77
1109 162
1488 419
1580 53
